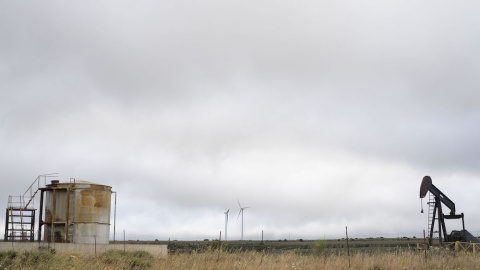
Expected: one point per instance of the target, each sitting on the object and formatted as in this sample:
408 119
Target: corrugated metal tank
79 212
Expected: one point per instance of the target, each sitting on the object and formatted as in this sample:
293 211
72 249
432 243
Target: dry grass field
407 259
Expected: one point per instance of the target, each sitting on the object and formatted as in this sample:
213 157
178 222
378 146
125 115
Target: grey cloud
286 106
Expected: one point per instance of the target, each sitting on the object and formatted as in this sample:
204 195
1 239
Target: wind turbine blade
239 213
246 207
239 203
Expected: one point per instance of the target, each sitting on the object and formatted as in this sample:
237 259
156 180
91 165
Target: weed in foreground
127 260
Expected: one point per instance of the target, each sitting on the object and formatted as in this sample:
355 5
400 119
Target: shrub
34 257
11 254
7 257
320 246
134 260
216 245
29 257
141 254
112 256
136 263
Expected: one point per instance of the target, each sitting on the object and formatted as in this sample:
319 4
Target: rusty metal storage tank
76 212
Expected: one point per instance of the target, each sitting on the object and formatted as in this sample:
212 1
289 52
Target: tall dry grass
290 260
241 260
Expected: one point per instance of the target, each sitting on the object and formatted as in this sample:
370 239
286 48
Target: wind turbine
226 222
241 212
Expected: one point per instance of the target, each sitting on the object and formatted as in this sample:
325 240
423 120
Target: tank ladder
431 208
19 218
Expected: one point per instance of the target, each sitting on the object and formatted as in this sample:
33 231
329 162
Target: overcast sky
316 114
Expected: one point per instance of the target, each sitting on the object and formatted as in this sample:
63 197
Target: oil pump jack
440 198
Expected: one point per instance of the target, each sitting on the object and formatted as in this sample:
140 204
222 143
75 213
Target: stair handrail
35 185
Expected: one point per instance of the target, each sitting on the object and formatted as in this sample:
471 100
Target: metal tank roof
79 183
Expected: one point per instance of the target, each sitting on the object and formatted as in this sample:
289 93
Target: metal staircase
33 189
19 218
20 221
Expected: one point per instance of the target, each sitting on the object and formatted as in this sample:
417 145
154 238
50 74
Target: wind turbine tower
241 212
226 222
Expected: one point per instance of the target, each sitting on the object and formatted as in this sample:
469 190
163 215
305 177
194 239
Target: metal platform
19 224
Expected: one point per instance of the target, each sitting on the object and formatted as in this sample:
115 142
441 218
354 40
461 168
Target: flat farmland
298 246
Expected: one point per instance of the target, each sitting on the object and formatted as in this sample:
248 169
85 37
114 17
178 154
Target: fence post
348 247
220 246
95 238
425 246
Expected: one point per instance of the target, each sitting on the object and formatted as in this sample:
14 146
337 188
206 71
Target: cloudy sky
316 114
